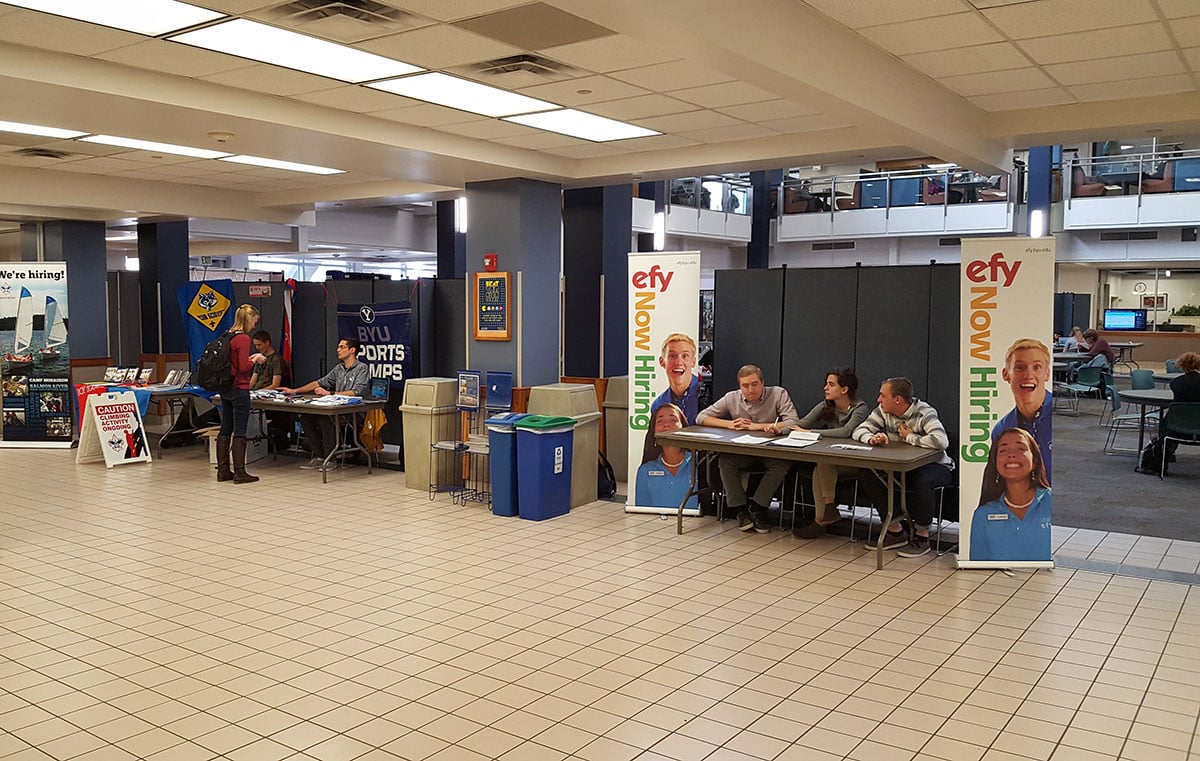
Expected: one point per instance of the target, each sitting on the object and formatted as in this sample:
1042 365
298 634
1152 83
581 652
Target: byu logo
367 314
206 299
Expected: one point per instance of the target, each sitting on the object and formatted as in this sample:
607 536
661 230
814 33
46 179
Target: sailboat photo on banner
20 358
56 333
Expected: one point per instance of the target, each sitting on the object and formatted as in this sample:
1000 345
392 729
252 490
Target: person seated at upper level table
901 417
1100 354
753 407
836 416
349 377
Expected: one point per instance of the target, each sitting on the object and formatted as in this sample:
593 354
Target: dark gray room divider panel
893 327
820 309
310 355
748 305
450 326
942 388
270 308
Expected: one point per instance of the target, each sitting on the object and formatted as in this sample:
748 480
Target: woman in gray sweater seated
835 417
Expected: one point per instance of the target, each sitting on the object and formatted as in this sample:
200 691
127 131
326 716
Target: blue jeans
235 412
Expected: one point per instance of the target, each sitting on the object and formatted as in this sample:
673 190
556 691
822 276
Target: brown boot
223 471
240 476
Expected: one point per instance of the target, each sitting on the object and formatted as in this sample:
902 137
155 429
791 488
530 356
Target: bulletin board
493 300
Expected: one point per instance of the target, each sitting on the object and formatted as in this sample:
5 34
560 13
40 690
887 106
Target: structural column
162 268
81 245
451 244
763 187
1040 188
521 222
597 234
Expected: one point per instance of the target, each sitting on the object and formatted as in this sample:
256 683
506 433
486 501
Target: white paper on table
787 441
749 438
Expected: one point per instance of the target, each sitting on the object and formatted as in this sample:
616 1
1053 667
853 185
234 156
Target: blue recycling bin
502 445
544 466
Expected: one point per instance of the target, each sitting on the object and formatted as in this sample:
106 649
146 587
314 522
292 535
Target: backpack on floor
606 478
214 368
1150 460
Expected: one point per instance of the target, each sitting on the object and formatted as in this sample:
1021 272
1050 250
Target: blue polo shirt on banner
656 487
997 534
1039 427
689 403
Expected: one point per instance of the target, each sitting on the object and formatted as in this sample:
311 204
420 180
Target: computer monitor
378 391
1124 319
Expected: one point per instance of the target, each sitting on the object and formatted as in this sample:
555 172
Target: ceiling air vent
346 20
833 245
1143 235
526 63
1113 237
949 241
42 153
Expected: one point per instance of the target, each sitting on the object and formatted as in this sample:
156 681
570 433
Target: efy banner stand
113 431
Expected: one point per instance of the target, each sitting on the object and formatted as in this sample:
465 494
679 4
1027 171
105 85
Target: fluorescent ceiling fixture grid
463 94
147 145
568 121
150 17
37 129
259 42
277 164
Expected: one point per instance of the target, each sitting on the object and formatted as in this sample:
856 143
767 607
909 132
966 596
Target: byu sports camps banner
664 322
1005 401
207 308
35 357
384 330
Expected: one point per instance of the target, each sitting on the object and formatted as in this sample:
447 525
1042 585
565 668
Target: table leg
690 492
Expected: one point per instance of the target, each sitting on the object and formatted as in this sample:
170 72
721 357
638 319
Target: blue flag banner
207 310
384 330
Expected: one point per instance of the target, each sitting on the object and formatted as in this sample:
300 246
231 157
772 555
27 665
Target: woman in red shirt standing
235 405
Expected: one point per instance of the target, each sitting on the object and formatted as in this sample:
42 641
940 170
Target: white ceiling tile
1063 16
51 32
767 110
540 140
566 92
1009 101
692 120
489 129
99 165
147 158
456 10
426 115
670 76
724 94
361 100
1010 80
859 13
439 47
972 60
725 134
641 107
77 147
1117 69
812 123
658 142
275 80
960 30
1097 43
172 58
591 150
1134 88
612 53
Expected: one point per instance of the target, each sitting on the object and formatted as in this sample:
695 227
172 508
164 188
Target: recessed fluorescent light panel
150 17
259 42
37 129
463 94
286 165
146 145
568 121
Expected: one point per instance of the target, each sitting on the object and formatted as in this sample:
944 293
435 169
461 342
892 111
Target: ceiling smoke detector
221 137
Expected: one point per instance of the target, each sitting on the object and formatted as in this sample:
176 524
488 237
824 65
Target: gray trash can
576 401
616 426
429 416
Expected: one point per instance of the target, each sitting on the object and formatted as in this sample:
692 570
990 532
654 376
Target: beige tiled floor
149 612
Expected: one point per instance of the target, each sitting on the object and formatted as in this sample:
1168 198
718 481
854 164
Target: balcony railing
1146 189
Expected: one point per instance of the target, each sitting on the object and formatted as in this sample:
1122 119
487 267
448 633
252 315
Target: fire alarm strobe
490 262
